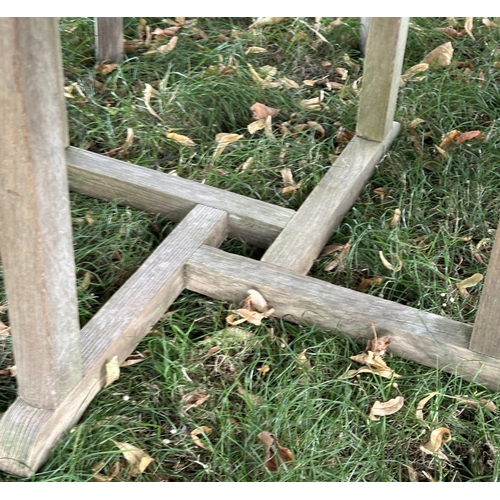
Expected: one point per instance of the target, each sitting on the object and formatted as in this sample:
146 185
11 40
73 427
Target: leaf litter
277 456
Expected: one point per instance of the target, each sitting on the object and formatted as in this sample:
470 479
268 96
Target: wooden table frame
60 367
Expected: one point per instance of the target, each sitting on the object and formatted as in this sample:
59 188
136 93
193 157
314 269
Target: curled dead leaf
340 257
395 218
467 136
421 404
265 21
257 301
101 478
137 458
203 430
105 69
192 400
366 283
169 46
440 56
449 138
148 92
438 437
390 266
261 111
255 50
468 282
223 140
181 139
380 409
4 331
276 454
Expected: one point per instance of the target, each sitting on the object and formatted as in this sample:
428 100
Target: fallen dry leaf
366 283
422 403
468 282
255 50
124 147
137 458
340 257
395 218
169 46
264 369
223 139
378 345
248 163
469 21
105 69
373 364
382 192
388 265
410 74
449 138
112 371
252 317
302 358
196 432
257 301
380 409
261 111
489 23
163 33
265 21
466 136
329 249
440 56
101 478
416 122
276 455
438 437
181 139
192 400
148 92
288 181
255 400
4 331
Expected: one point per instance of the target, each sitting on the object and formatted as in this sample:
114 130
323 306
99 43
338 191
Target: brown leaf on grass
438 437
411 72
395 218
101 478
4 331
276 455
223 139
169 46
468 282
380 409
265 21
302 359
378 346
252 317
345 135
288 181
449 138
366 283
421 404
264 369
112 371
193 400
196 432
484 402
148 92
133 359
440 56
123 149
105 69
489 23
382 192
390 266
469 22
329 249
181 139
466 136
451 32
255 50
416 122
373 364
137 458
254 310
166 32
261 111
255 400
339 258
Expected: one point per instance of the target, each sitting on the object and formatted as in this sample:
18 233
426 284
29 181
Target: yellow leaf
148 91
264 369
223 139
312 104
104 69
438 437
395 218
261 111
422 403
256 50
468 282
416 122
169 46
387 408
256 126
137 458
196 432
265 21
368 283
469 21
112 371
302 358
181 139
449 138
289 189
388 265
440 56
248 163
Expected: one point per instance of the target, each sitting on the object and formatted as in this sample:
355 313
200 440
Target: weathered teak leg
385 50
363 33
35 223
109 39
486 333
300 243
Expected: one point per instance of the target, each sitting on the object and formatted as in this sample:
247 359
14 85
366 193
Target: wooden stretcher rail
425 338
98 176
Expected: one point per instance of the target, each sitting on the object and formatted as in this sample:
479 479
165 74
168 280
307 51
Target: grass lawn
202 391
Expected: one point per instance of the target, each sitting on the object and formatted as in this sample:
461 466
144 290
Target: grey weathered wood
384 60
486 332
27 434
300 243
109 39
419 336
363 33
35 223
108 179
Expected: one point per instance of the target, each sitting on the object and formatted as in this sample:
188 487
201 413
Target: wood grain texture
486 333
27 434
425 338
385 48
363 33
300 243
109 39
35 222
95 175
